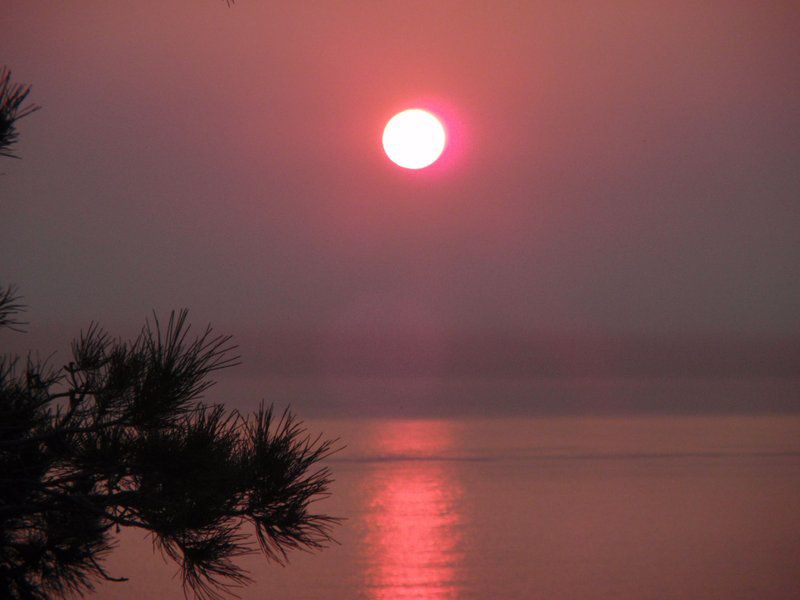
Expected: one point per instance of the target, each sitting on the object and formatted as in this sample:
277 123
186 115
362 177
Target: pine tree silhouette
118 438
13 107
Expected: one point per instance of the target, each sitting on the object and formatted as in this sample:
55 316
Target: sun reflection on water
413 522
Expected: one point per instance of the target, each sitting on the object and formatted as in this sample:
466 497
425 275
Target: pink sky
615 168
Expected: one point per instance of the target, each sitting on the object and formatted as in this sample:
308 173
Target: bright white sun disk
414 139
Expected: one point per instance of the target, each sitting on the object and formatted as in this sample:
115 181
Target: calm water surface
640 507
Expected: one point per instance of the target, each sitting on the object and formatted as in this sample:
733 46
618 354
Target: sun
414 139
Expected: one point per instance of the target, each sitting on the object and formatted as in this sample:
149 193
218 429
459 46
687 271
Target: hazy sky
613 167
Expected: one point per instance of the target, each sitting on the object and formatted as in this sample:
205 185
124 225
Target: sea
571 506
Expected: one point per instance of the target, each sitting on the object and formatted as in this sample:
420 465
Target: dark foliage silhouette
118 438
13 107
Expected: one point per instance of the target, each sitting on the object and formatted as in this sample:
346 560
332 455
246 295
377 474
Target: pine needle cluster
13 107
118 437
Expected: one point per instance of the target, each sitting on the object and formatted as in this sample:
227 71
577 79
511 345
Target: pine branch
13 107
10 305
119 438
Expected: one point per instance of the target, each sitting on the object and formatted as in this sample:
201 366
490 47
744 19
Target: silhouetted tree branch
12 109
118 438
10 307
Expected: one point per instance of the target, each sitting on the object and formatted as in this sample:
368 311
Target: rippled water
413 515
656 507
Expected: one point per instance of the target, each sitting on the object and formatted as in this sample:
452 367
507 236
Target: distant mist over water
406 396
418 374
521 355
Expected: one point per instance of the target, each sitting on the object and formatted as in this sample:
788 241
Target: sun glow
414 139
